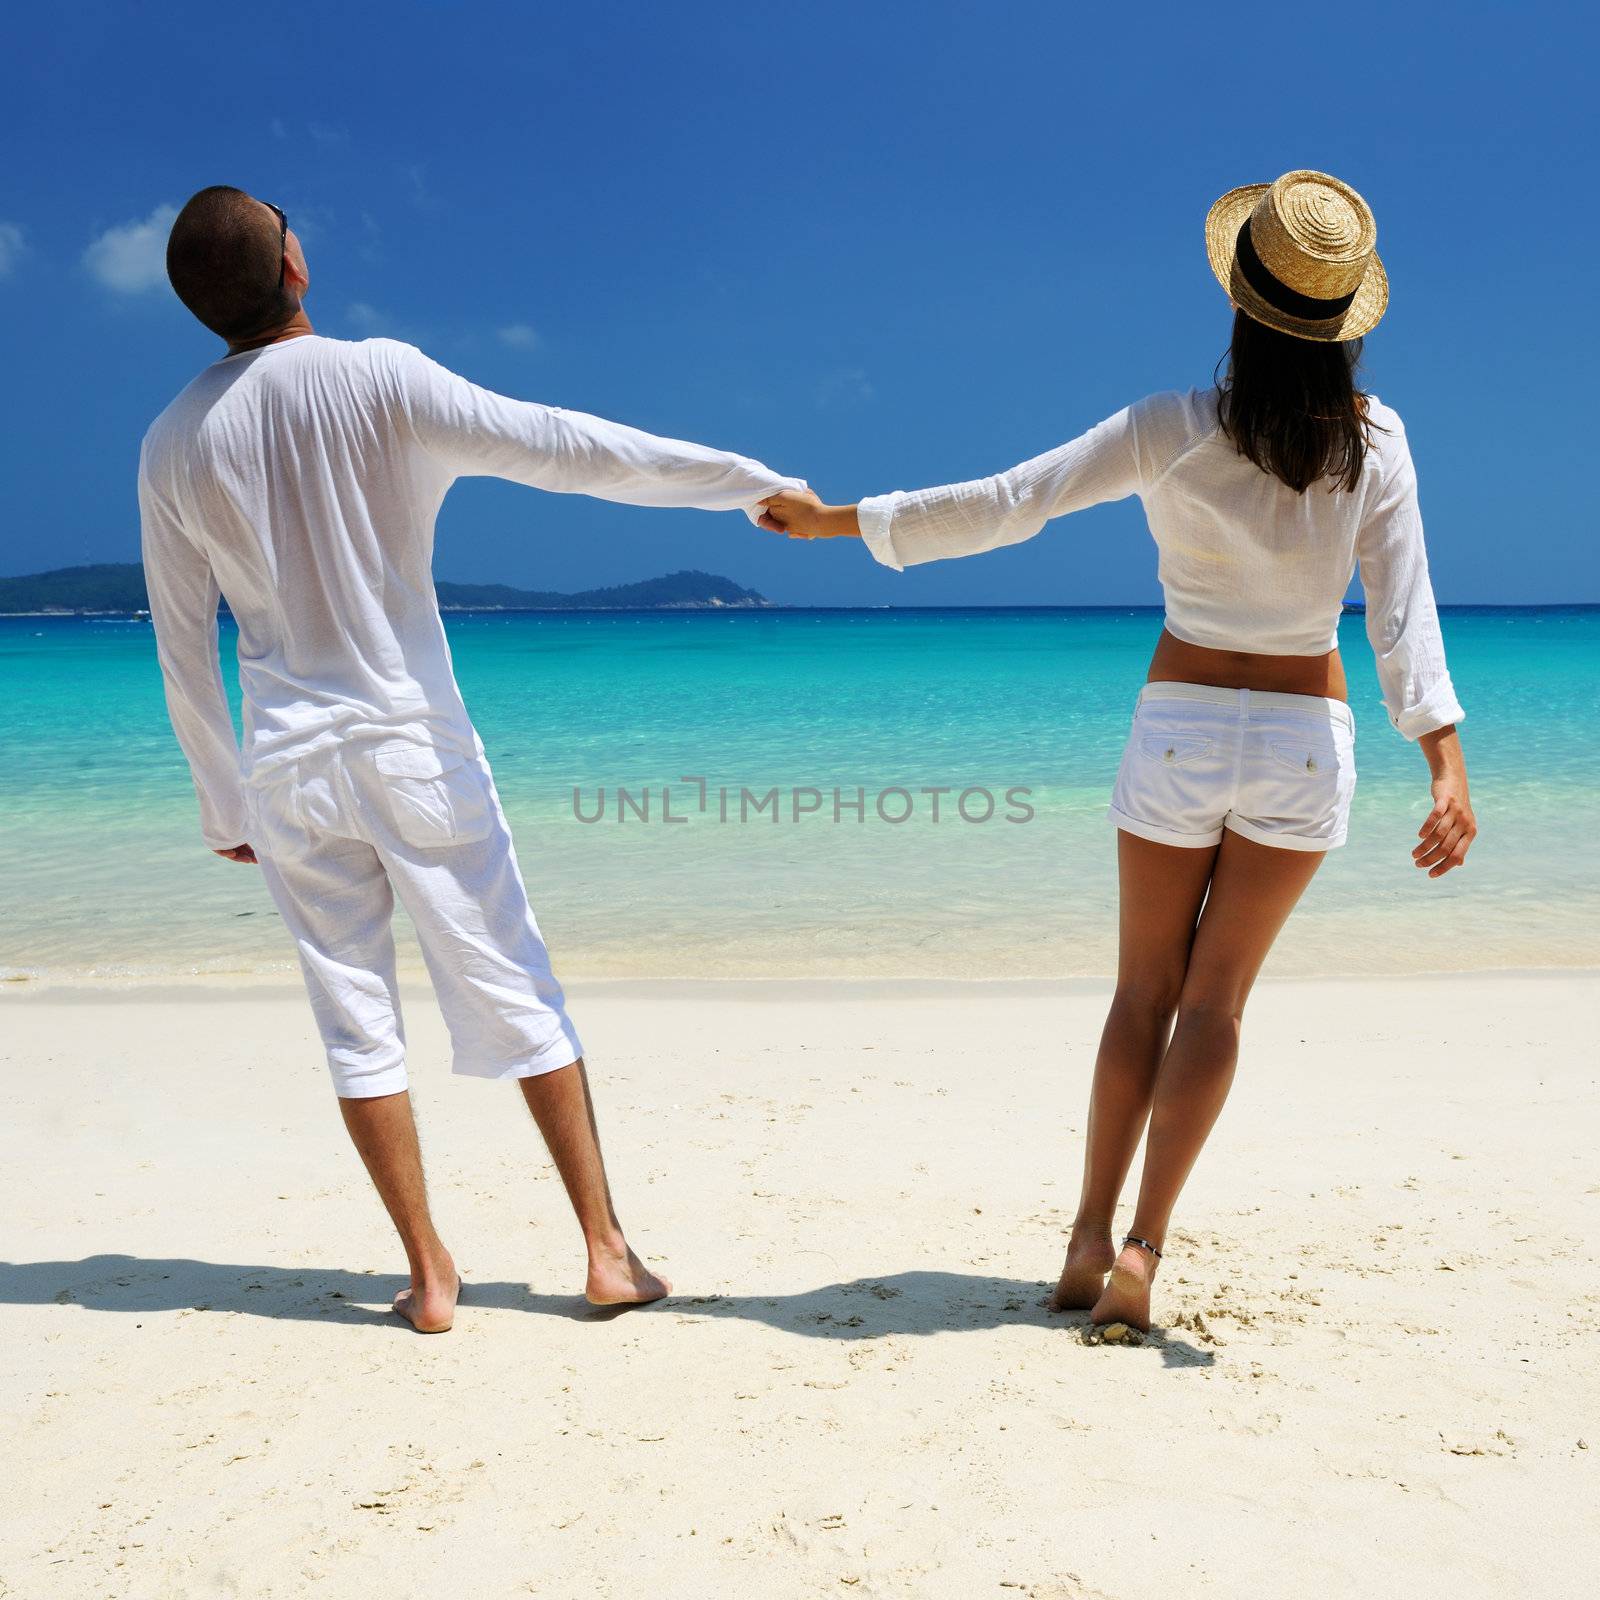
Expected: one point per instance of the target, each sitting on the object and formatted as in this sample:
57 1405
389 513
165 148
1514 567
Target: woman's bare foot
429 1305
620 1278
1126 1297
1089 1258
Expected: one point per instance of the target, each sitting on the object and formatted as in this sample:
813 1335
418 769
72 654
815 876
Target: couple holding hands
299 476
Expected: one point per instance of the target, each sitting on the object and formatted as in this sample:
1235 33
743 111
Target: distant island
677 591
118 589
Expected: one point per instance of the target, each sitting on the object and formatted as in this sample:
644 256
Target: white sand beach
1374 1369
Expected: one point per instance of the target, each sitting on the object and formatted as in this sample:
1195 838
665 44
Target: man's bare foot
1126 1297
620 1278
430 1307
1089 1258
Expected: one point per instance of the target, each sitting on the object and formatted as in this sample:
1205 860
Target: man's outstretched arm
474 432
183 611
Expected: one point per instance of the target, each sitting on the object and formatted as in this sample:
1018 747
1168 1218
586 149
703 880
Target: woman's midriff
1178 662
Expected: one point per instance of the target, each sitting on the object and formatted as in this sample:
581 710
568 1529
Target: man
299 476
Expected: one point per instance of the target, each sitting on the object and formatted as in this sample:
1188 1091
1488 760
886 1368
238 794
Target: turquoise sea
105 874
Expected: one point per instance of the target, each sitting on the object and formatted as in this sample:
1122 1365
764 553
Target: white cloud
422 197
311 223
844 389
323 133
519 336
367 321
133 257
12 246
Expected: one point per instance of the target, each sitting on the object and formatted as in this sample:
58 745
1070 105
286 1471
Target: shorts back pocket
1174 749
1314 757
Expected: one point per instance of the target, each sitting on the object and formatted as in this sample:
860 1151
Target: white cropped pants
339 834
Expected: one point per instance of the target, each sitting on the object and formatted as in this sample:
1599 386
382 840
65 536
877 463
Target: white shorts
1277 768
338 834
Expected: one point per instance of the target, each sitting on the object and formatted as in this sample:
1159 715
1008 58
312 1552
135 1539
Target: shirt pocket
434 797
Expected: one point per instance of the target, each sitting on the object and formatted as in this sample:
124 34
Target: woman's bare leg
1253 889
1160 889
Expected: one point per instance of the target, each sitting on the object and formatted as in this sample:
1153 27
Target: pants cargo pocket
434 797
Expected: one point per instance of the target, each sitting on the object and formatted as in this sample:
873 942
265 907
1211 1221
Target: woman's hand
801 515
1450 828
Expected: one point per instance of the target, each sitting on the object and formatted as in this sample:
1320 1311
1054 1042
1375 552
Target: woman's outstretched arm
961 519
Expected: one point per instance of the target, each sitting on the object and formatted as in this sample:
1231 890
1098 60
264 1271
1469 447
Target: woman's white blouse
1246 563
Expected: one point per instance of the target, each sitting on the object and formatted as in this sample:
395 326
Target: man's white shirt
302 480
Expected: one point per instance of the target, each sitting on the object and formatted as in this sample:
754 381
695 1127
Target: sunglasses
283 237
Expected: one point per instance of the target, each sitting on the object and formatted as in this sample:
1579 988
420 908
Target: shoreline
415 987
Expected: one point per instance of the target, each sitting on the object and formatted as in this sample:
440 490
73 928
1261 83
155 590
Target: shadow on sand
910 1304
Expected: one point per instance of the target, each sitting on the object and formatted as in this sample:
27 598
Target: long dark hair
1292 405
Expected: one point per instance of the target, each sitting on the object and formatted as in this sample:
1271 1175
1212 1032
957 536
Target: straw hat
1298 255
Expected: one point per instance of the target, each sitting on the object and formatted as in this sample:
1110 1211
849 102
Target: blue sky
875 245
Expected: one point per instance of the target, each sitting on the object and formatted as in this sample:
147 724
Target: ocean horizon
1149 609
719 792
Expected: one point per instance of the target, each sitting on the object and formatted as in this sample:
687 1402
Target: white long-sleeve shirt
1246 563
301 480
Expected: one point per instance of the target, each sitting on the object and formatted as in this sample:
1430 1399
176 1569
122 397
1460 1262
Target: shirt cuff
230 840
224 816
1438 708
875 516
753 510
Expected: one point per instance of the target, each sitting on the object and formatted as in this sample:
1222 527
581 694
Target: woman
1263 494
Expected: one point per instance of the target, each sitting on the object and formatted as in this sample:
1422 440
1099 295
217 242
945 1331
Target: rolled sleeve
875 517
1438 708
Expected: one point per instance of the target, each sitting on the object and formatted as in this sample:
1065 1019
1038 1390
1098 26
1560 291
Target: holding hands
799 514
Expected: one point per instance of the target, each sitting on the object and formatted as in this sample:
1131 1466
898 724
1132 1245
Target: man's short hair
223 259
